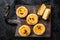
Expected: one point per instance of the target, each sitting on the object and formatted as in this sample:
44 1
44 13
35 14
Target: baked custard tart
39 29
21 11
24 30
32 19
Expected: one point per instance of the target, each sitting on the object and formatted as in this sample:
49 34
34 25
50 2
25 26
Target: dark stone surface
7 31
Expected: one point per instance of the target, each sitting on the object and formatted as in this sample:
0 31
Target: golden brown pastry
21 11
24 30
41 9
46 13
32 19
39 29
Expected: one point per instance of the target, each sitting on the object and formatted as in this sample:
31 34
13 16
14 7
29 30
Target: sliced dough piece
39 29
24 30
46 13
41 9
32 19
21 11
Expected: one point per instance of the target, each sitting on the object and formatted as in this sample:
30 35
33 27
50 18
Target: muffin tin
33 9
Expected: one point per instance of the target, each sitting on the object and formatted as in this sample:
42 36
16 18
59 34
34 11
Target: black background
7 31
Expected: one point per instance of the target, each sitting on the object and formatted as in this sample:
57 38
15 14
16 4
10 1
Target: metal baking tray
33 9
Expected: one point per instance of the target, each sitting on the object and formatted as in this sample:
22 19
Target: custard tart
21 11
39 29
24 30
32 19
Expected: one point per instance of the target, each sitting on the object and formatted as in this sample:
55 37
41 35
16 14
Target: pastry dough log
46 13
41 10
